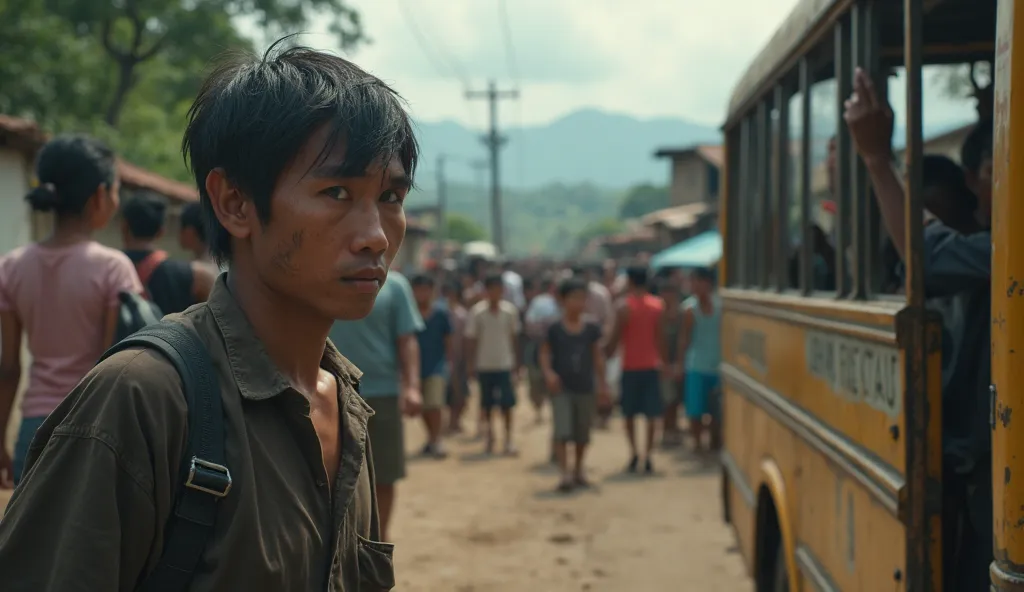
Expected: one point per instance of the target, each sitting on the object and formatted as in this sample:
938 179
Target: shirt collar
256 375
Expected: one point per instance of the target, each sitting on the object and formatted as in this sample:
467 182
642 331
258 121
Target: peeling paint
1004 413
1006 475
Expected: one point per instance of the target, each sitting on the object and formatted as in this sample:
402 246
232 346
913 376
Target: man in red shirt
638 330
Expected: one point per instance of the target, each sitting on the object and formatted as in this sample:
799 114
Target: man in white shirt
513 286
493 356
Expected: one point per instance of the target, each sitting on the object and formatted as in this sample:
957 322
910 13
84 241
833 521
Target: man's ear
233 210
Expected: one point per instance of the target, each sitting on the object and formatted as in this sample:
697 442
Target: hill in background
587 146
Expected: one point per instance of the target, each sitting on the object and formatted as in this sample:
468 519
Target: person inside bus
976 160
955 265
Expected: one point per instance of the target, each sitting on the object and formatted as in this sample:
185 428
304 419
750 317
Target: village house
19 225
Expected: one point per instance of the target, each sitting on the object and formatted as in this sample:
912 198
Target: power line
442 61
494 140
510 49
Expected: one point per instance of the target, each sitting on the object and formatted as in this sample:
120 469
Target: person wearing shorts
492 335
435 341
458 388
638 330
700 352
573 363
384 346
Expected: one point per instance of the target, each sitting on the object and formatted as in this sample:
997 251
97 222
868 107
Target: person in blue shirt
383 345
436 355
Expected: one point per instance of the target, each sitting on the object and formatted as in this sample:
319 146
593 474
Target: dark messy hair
192 217
69 170
637 276
493 279
253 115
940 171
422 279
977 146
570 285
145 214
703 273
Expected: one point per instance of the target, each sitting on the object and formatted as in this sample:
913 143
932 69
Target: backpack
205 479
138 311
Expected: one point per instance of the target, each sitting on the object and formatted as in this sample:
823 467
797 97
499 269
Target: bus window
791 205
822 162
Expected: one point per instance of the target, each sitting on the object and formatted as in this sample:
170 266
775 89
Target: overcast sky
647 58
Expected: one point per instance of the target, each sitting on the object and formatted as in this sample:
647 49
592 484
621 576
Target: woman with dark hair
62 292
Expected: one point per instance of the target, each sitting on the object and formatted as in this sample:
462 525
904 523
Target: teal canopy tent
703 250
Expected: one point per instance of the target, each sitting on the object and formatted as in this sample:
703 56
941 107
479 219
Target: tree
464 229
133 32
126 71
967 81
599 228
643 199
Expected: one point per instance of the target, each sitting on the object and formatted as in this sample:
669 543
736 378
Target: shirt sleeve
6 300
514 321
954 262
446 323
121 277
471 323
407 314
99 481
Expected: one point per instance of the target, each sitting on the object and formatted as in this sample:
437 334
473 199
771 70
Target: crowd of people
563 337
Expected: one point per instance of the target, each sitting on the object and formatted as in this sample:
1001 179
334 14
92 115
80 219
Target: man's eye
391 197
335 193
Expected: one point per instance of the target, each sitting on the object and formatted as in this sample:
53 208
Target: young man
699 353
492 334
436 357
383 345
671 379
638 330
303 188
192 236
458 389
573 363
171 285
541 313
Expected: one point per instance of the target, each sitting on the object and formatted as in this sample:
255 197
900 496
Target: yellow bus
832 375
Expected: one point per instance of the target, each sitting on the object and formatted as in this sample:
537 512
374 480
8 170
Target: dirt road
470 524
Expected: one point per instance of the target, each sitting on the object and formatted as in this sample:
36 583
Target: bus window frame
780 188
806 261
846 279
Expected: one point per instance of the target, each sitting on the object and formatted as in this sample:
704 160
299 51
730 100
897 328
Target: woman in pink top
62 293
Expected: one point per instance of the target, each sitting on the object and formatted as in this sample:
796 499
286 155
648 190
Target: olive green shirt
103 472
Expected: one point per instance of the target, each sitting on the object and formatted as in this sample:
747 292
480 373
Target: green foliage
463 229
127 71
642 200
599 228
542 220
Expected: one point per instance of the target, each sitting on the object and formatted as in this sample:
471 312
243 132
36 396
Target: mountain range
590 146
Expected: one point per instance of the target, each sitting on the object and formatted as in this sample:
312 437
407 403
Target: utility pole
442 202
493 140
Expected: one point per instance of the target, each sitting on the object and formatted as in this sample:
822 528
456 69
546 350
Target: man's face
700 286
188 238
980 182
574 302
424 294
331 239
495 292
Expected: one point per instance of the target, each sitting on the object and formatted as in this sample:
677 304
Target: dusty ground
470 524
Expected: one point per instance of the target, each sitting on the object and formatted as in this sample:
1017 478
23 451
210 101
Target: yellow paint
1008 302
806 502
771 477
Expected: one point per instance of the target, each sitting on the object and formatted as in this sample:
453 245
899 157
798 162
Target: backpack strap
205 478
147 266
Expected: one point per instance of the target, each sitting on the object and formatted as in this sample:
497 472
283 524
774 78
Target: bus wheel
781 583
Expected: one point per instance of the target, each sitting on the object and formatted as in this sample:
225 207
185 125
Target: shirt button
321 483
